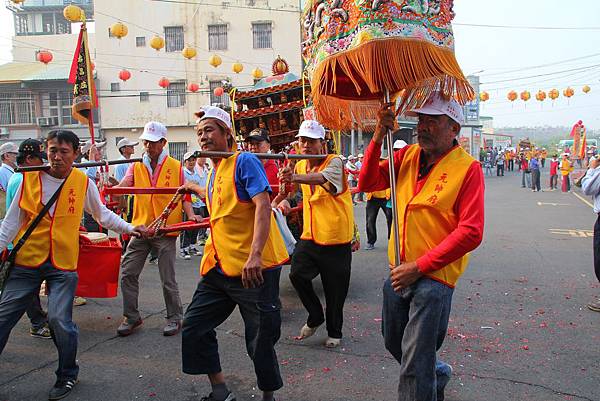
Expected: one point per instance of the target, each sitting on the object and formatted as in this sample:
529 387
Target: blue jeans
17 296
214 300
415 321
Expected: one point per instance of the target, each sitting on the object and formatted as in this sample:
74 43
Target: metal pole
389 139
274 156
78 165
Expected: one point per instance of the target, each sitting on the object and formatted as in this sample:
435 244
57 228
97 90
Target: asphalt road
519 328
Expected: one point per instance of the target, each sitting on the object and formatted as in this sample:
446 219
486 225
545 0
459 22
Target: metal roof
25 72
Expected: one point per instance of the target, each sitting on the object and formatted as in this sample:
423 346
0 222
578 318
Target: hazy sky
560 57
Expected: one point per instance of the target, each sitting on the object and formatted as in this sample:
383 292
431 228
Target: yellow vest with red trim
383 194
56 237
232 226
328 219
427 218
146 208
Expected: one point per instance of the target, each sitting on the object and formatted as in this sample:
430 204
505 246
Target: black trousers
373 206
189 237
333 264
597 248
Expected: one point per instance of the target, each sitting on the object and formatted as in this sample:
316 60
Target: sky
510 58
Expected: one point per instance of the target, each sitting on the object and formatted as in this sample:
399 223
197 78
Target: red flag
583 149
84 89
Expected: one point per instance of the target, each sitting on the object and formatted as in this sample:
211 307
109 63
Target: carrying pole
46 167
389 140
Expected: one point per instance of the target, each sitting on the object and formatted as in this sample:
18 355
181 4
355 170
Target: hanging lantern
119 30
280 66
484 96
44 56
214 60
553 94
218 91
586 89
164 83
540 96
73 13
512 96
189 52
124 75
193 87
157 43
237 67
525 96
568 92
257 73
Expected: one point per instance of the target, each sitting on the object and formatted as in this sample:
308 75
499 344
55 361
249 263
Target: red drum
98 266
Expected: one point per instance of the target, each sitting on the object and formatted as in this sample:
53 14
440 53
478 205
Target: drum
98 265
94 238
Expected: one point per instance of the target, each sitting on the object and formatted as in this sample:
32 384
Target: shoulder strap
36 221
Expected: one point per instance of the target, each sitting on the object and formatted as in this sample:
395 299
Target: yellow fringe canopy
354 51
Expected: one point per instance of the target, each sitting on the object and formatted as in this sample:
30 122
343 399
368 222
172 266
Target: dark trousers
373 206
535 180
35 313
189 237
511 165
597 248
333 264
214 300
554 181
500 169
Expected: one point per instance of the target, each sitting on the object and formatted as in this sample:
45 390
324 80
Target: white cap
436 105
311 129
188 155
361 155
8 147
351 157
87 145
399 144
213 112
154 132
126 142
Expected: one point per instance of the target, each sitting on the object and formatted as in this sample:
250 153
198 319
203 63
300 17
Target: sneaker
369 247
185 254
153 260
79 301
595 306
306 331
195 251
61 389
230 397
42 332
172 328
332 342
202 242
443 372
127 327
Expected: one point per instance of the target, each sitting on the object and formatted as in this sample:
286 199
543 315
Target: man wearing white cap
126 149
8 154
91 152
440 193
157 169
325 246
241 264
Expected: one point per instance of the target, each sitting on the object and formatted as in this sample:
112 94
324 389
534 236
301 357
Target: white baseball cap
399 144
188 155
8 147
361 155
126 142
311 129
436 105
87 145
213 112
154 132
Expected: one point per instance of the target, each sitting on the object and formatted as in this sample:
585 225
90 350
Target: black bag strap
36 221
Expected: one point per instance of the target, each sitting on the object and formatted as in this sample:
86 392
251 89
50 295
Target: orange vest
146 208
56 237
428 217
328 219
232 226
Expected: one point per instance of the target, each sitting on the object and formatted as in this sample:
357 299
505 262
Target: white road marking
581 198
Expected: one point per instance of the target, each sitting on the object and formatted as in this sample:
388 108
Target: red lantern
44 56
218 91
193 87
124 75
163 82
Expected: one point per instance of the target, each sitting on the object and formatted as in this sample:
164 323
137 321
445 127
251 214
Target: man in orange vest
375 201
241 264
157 169
48 254
325 246
439 193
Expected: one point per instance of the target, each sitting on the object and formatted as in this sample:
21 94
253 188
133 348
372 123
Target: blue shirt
13 185
121 169
590 185
534 164
6 172
194 177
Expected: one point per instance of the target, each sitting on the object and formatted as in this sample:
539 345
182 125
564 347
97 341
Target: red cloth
469 207
272 170
554 167
524 164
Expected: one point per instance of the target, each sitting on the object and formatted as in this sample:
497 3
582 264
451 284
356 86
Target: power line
541 65
542 75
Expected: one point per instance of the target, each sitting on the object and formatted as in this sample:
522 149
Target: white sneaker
333 342
306 331
185 254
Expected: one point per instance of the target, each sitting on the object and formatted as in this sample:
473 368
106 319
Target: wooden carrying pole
274 156
78 165
389 140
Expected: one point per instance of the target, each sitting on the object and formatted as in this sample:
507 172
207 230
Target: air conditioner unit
47 121
3 131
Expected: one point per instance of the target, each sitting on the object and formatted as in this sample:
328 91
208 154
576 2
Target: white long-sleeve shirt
590 184
15 217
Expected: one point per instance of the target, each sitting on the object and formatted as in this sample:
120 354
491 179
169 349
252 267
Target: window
47 23
21 24
223 99
174 38
176 94
144 97
177 150
16 108
66 101
217 37
140 41
115 87
261 35
41 23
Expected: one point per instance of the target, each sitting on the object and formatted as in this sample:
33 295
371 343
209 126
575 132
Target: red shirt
554 167
469 207
272 170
